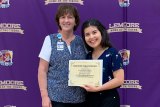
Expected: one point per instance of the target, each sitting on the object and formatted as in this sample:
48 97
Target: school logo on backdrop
131 84
124 27
125 54
6 57
12 84
63 1
4 3
124 3
11 28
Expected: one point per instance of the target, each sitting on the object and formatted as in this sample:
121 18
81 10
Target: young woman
97 43
55 54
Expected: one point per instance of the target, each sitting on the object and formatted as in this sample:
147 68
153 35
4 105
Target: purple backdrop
133 26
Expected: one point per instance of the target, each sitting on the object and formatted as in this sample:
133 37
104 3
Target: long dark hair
105 37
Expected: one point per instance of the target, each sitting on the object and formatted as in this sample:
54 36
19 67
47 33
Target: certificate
85 72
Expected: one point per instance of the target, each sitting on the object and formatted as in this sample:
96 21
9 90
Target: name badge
60 45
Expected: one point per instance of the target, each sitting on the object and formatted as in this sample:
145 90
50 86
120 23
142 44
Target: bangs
66 10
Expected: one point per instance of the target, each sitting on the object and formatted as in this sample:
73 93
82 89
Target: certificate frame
85 72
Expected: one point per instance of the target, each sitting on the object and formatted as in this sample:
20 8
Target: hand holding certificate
85 72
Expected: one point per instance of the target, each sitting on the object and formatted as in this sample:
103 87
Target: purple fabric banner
133 27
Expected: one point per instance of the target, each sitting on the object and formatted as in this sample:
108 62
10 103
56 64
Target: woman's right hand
46 102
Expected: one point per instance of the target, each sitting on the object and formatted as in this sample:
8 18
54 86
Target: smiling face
67 17
67 22
93 37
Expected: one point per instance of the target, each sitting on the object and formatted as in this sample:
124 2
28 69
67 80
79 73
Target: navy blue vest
58 88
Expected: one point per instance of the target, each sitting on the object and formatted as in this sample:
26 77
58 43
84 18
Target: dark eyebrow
95 30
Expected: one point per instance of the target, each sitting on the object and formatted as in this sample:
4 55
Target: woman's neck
98 52
67 37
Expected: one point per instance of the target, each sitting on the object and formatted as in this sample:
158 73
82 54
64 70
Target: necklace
68 39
